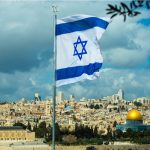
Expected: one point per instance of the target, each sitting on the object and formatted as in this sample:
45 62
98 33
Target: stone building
134 121
16 133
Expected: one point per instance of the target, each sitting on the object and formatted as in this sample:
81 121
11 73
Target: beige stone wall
5 148
30 148
30 136
17 135
115 147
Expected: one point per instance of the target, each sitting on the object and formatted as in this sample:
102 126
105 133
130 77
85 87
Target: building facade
143 100
60 97
16 134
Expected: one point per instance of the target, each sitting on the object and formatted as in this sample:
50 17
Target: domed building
134 121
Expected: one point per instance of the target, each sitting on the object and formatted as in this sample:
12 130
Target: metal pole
54 85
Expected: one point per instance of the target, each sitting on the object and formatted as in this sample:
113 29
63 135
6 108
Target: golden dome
134 115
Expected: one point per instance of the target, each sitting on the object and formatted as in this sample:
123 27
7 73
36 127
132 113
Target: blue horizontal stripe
77 71
80 25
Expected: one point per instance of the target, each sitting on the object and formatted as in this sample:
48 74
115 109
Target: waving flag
78 51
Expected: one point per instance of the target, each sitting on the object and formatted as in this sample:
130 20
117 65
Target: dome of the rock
134 115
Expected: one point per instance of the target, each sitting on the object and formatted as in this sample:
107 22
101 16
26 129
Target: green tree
115 123
34 128
65 131
29 126
41 130
39 133
57 132
83 131
91 106
69 139
95 132
138 104
79 131
99 141
129 133
96 106
48 136
118 133
146 132
87 132
42 125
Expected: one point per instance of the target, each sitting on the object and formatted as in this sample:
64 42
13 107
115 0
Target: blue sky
26 46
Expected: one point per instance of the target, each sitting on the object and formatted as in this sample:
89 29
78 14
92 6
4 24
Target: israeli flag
78 51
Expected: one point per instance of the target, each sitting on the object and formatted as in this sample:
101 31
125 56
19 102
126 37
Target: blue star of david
83 51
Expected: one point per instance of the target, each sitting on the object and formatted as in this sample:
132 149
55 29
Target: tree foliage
69 139
29 126
91 148
129 10
58 132
138 104
42 131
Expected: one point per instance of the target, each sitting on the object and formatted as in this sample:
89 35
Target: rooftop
11 128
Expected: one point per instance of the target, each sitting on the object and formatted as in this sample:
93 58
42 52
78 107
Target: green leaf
126 8
111 6
140 2
136 13
110 12
133 5
108 9
114 15
148 4
124 17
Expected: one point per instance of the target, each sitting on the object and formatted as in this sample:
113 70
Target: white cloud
134 83
33 82
124 58
78 90
125 47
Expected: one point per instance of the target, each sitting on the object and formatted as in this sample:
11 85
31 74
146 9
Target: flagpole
54 85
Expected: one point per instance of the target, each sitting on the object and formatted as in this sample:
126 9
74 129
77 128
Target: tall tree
58 132
95 132
29 126
41 131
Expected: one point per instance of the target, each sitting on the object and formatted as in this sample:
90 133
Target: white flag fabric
78 51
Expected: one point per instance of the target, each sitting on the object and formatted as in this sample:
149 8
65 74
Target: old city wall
103 147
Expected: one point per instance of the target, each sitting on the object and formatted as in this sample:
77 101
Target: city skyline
101 117
26 52
61 96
